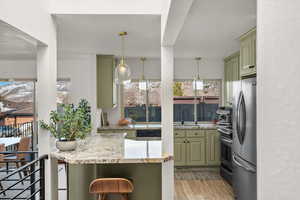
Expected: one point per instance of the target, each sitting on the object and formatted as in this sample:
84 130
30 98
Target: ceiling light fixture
198 83
143 81
122 71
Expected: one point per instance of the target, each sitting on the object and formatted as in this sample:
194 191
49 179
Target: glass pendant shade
198 83
143 85
122 73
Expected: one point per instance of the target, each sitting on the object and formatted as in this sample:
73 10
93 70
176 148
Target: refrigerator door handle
238 118
242 166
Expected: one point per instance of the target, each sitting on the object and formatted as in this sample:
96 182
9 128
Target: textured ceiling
99 34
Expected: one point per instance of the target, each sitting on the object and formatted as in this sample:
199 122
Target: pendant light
198 83
143 81
122 71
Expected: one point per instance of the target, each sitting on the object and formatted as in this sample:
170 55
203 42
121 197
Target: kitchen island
113 155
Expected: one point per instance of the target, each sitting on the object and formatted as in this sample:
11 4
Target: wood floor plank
201 184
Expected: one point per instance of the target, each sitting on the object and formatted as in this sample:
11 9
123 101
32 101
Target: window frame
195 96
147 101
175 80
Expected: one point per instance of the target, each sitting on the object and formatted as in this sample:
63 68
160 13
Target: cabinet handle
251 66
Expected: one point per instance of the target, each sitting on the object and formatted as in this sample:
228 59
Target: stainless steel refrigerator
244 139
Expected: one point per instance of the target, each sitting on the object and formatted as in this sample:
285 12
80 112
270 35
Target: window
154 106
142 105
16 102
196 105
189 104
184 101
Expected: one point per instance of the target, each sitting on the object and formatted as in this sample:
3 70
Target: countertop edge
150 128
112 160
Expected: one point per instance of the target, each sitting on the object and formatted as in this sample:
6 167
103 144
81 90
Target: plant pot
66 145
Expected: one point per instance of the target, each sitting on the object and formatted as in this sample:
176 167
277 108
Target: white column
46 101
278 99
167 76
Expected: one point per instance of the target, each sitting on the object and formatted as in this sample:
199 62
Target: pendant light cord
198 68
122 47
143 70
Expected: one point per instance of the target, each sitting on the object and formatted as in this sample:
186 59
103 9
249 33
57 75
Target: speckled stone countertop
156 126
114 148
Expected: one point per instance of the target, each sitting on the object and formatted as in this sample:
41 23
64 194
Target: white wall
81 69
278 99
106 7
30 16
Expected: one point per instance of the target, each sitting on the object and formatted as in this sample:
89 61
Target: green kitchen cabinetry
180 152
213 148
231 74
106 87
196 148
196 151
248 53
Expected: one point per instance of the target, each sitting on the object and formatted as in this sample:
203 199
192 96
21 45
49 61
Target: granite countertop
114 148
156 126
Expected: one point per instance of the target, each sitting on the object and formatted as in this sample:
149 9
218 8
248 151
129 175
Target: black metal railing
17 130
32 183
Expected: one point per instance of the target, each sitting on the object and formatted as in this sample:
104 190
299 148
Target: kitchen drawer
179 134
195 133
211 132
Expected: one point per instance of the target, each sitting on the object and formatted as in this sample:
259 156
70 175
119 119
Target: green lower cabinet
195 151
180 152
196 148
130 134
213 148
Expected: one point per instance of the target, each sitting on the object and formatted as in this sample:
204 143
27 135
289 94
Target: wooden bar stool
105 186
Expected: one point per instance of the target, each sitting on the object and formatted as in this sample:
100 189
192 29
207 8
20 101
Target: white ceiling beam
173 17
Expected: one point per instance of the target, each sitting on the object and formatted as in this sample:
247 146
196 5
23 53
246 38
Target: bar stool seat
105 186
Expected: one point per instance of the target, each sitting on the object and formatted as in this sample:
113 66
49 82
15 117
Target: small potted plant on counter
68 124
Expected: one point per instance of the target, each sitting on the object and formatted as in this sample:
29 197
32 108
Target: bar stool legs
124 196
102 197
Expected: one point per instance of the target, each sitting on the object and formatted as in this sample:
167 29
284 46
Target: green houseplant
69 123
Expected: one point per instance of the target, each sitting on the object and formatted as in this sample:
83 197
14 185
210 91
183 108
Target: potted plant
68 124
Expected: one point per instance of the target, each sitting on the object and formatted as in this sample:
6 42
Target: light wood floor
201 184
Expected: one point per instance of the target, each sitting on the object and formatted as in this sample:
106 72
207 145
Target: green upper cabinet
231 74
213 147
106 87
248 53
